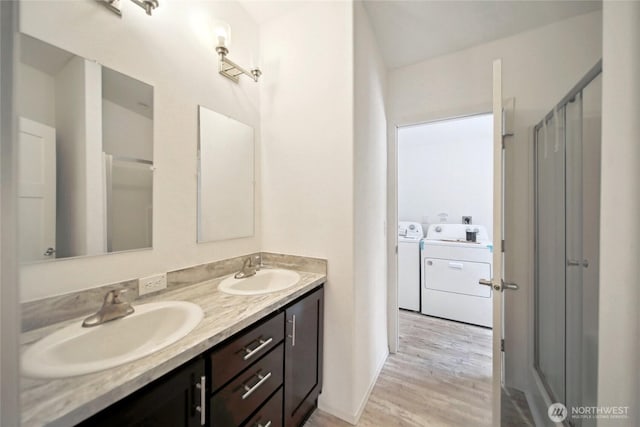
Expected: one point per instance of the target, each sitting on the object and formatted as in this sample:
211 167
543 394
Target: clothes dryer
451 268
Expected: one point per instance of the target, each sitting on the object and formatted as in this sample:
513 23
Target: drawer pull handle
203 396
250 390
250 352
266 425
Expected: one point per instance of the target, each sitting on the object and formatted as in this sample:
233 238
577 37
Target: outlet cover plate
149 284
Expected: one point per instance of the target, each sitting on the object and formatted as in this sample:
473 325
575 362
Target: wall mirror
225 177
85 156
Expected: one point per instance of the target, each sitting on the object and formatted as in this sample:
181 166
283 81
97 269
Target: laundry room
445 227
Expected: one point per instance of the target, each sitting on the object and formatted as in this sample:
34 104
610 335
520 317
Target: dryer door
456 276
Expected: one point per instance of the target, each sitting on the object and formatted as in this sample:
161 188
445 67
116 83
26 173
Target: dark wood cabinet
235 402
303 357
240 352
269 374
270 414
171 401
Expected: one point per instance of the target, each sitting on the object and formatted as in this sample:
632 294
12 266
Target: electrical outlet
149 284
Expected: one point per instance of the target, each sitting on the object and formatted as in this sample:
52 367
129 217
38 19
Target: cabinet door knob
293 330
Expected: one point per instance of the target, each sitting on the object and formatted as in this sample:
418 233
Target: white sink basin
264 282
75 350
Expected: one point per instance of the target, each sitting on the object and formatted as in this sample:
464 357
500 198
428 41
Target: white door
36 191
497 282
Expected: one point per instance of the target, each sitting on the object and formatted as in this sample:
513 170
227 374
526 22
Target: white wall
38 95
9 294
80 191
539 68
307 167
134 140
172 52
370 198
71 159
95 211
446 167
619 364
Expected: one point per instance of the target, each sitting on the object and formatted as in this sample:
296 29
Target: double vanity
221 352
124 134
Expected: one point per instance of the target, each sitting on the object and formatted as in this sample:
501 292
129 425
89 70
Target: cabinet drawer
232 404
270 415
231 358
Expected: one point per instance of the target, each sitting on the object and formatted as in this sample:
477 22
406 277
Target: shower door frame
541 383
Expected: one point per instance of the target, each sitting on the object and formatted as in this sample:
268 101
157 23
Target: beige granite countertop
67 401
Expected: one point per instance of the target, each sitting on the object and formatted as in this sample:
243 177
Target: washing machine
451 267
409 237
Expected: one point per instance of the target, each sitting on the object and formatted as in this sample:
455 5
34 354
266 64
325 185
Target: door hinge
502 245
396 249
502 344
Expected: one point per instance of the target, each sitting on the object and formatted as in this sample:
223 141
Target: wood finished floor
441 376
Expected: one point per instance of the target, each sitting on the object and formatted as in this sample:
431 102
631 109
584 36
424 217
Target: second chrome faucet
250 266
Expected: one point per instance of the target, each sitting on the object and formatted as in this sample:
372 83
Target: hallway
441 376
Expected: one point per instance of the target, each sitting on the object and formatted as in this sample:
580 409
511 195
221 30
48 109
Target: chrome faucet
248 268
112 308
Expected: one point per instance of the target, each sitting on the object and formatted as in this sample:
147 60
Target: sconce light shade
222 32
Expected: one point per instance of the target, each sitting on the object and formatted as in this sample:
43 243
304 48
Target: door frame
392 201
9 276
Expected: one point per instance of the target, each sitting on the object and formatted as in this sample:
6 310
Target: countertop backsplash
47 311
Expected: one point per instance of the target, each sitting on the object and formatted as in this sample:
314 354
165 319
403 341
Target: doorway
444 184
444 177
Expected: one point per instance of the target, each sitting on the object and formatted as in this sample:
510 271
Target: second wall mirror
226 183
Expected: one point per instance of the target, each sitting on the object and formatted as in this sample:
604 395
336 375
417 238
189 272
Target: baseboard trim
350 417
344 416
365 398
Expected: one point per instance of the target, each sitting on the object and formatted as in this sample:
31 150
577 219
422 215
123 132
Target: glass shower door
591 155
129 201
550 247
582 225
567 225
574 256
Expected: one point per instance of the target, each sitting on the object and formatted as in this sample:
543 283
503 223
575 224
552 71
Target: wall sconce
227 67
147 5
114 5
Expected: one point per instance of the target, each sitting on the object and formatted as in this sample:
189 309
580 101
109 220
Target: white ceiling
43 56
409 31
127 92
265 10
412 31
